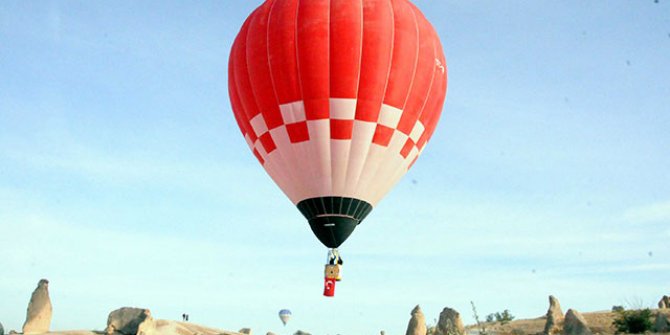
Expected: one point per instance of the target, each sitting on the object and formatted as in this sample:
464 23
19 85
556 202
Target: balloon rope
333 256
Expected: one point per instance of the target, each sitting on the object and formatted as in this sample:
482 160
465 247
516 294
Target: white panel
365 187
417 131
306 171
342 109
393 171
319 142
360 145
400 168
340 155
274 167
259 125
290 162
391 161
397 142
293 112
389 116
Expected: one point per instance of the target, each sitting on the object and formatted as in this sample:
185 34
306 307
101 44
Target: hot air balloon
336 99
284 316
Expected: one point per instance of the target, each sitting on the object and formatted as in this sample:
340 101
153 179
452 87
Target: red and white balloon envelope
336 99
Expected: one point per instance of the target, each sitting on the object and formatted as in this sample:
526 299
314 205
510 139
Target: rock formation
130 321
417 324
664 302
38 316
575 324
270 333
554 317
245 331
450 323
662 324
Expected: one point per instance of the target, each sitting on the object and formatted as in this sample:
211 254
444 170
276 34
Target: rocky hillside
598 323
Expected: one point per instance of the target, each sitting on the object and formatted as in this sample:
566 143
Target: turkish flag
329 287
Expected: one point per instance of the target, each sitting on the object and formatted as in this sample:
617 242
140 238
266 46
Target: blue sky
124 179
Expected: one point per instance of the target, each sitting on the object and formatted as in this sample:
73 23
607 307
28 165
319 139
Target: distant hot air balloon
284 316
336 99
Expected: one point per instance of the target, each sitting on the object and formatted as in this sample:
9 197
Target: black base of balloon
333 219
332 231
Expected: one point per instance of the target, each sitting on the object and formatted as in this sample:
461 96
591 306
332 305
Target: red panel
259 157
267 142
259 68
423 76
244 90
346 33
433 108
403 65
238 108
383 135
242 122
313 57
407 148
433 111
341 129
298 132
376 58
282 50
234 100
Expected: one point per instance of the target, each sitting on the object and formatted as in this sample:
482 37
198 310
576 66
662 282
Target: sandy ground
162 327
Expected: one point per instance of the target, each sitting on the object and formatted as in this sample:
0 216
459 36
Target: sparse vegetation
480 326
504 317
633 321
618 308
